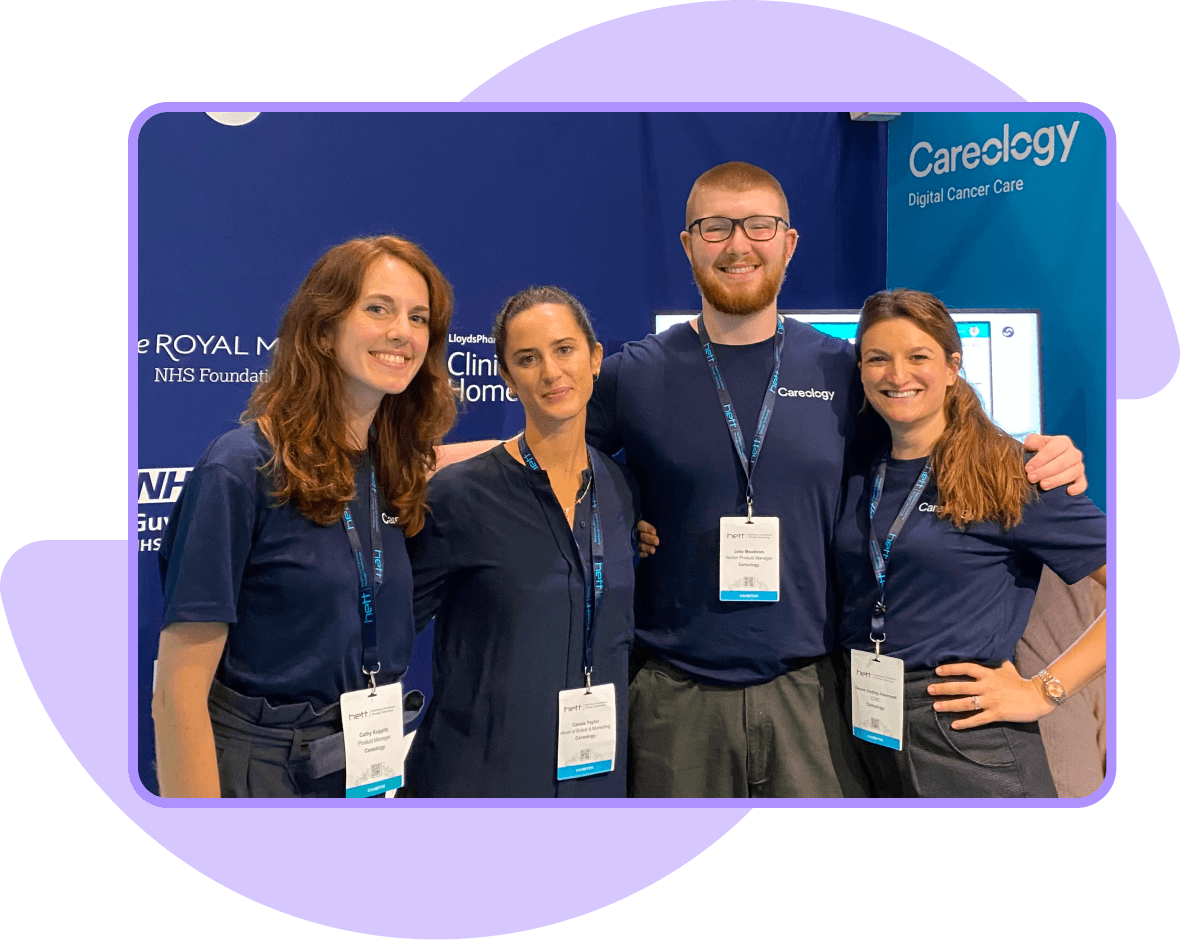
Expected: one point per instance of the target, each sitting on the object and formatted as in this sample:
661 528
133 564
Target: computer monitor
1001 357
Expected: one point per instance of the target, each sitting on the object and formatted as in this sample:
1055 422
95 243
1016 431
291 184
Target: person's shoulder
644 363
464 477
675 339
618 472
621 479
806 339
240 452
1048 504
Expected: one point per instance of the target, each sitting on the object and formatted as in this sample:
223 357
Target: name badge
749 558
373 746
585 731
878 698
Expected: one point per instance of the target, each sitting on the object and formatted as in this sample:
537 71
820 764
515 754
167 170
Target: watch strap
1053 687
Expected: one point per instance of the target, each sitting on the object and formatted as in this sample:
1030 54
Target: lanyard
370 665
731 420
594 585
879 556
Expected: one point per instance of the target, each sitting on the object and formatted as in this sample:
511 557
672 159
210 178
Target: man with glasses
747 419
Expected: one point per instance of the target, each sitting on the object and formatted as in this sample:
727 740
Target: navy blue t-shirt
500 570
287 587
955 595
656 400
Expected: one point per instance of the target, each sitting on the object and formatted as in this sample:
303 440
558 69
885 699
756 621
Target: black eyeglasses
758 228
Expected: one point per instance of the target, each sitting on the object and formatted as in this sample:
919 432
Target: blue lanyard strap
370 664
731 419
594 583
879 555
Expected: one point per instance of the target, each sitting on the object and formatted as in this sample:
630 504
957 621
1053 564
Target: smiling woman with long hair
262 592
939 551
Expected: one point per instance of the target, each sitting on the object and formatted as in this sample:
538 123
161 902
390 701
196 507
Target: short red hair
736 177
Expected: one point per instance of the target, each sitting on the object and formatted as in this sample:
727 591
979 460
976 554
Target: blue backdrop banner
1008 210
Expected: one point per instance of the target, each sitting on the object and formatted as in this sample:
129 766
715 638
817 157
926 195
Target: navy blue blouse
500 570
287 587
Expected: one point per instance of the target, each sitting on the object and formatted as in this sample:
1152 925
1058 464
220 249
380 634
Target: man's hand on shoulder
1056 463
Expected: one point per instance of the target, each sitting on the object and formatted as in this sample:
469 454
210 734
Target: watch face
1055 690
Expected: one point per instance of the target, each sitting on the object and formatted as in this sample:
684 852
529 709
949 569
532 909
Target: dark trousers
783 738
263 750
1001 759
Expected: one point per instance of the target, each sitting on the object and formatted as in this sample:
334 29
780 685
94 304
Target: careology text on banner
1008 211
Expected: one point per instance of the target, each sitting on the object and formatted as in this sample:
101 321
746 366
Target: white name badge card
749 558
373 746
585 731
878 698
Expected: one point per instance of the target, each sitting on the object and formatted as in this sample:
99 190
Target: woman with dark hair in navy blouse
938 553
504 566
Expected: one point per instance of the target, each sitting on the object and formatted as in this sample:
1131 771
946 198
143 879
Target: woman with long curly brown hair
285 574
938 551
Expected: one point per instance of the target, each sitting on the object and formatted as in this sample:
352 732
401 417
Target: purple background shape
1146 346
817 55
520 890
501 860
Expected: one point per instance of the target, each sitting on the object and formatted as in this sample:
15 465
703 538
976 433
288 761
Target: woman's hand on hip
994 695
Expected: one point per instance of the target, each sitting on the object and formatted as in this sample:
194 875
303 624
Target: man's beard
740 301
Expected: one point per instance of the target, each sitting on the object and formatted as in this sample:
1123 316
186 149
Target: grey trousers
783 738
263 750
1001 759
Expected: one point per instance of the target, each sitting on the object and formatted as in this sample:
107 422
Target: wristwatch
1053 688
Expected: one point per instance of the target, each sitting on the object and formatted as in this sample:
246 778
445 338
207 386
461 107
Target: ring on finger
975 702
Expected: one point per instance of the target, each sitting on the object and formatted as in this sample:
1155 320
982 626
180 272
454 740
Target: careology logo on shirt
821 393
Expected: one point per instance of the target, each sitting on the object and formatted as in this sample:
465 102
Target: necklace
529 460
569 513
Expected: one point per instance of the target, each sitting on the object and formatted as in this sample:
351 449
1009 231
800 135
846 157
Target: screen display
1001 357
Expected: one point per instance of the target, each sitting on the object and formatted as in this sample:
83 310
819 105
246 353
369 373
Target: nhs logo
161 484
